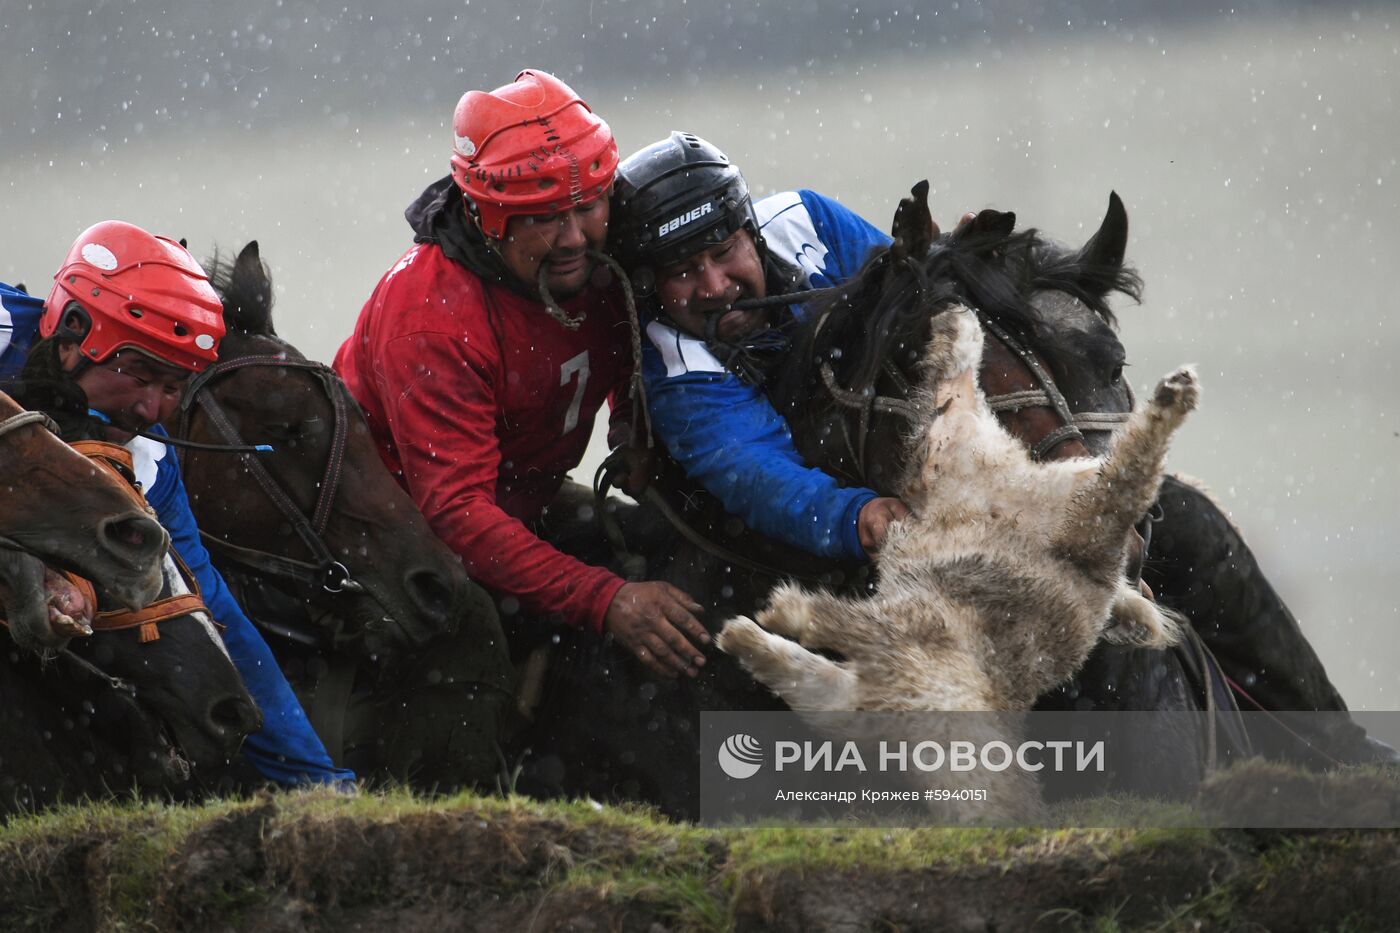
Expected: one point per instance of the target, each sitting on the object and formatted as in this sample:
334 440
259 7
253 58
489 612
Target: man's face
131 388
559 241
712 280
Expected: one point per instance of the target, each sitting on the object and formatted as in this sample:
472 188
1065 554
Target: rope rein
15 422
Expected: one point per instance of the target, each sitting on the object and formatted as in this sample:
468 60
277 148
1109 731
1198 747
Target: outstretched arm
727 437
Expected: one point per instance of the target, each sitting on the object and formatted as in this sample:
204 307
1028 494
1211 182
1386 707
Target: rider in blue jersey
19 320
683 227
130 318
686 229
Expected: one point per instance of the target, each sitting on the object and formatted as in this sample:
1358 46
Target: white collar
145 455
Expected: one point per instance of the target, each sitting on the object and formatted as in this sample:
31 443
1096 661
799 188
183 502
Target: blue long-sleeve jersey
19 322
286 748
725 433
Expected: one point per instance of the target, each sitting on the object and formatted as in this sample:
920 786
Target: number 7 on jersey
577 364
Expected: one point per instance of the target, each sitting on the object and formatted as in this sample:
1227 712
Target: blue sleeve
728 438
848 237
826 241
286 749
19 324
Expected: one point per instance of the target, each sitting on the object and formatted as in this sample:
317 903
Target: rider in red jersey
480 392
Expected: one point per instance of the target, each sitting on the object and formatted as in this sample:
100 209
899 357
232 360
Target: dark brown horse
144 700
372 618
1053 369
54 505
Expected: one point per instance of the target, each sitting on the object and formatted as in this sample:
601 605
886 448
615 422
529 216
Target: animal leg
951 403
816 620
1137 620
953 357
1101 512
804 680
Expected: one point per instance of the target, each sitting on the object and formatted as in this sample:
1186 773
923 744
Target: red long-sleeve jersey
480 403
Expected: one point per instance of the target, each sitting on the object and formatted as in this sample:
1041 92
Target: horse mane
882 313
245 287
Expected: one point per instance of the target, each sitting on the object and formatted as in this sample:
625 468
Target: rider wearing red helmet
131 316
484 353
122 287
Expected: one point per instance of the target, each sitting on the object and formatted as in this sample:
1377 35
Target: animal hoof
955 344
1180 390
737 635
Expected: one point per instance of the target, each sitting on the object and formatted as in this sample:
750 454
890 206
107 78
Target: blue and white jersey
19 324
286 749
725 433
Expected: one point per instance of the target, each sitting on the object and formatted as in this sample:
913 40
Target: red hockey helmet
129 288
529 147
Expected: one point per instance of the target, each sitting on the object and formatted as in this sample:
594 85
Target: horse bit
327 573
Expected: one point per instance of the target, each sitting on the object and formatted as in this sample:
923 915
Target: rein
17 421
1073 425
635 564
327 573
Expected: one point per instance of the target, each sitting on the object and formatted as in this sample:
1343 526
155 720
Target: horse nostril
133 536
432 595
235 715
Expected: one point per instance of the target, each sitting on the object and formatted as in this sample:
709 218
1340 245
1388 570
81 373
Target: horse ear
249 264
248 304
913 229
1109 244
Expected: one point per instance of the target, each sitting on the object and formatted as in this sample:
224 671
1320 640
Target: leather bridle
324 572
1073 425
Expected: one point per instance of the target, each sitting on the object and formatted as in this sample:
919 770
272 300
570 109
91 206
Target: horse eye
1117 376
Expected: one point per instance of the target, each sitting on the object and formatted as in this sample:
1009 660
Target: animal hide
998 585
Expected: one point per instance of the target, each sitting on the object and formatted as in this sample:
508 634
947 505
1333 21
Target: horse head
1053 371
101 532
320 511
156 684
179 671
1085 356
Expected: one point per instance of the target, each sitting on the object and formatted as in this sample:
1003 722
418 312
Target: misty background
1255 147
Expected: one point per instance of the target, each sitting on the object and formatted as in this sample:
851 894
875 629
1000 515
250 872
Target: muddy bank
320 862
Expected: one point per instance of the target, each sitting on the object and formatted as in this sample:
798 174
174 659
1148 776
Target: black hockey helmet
672 199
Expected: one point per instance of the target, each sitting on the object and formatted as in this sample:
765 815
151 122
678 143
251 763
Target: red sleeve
440 408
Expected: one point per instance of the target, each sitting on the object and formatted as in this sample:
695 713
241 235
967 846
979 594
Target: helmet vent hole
498 187
134 312
594 167
180 330
96 292
547 183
